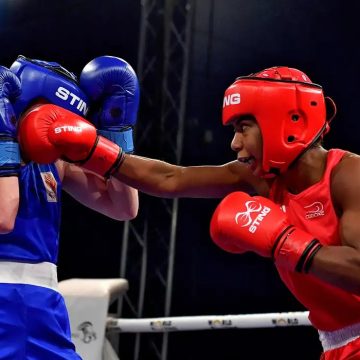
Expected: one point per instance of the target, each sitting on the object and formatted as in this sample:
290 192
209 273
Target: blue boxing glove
47 82
113 89
10 89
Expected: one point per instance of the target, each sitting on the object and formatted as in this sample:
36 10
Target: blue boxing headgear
43 81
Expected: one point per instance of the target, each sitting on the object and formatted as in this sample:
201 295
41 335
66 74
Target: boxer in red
306 213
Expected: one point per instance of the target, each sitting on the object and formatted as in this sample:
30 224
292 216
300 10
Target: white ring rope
208 322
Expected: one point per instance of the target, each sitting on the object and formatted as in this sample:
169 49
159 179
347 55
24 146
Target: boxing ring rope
208 322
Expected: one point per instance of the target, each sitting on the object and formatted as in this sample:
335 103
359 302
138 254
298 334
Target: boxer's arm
111 198
9 204
112 85
340 265
160 178
9 151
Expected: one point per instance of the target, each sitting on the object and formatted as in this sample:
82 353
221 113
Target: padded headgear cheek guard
289 109
43 81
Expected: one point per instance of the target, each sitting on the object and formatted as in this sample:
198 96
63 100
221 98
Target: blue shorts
34 324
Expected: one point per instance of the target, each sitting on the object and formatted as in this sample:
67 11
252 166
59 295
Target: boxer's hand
243 223
9 148
49 132
113 88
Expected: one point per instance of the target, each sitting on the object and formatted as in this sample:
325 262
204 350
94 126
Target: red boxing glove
243 223
49 132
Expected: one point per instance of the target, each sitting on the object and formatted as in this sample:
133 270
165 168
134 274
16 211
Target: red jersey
312 210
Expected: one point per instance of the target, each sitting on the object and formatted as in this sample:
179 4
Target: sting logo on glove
67 128
73 99
246 218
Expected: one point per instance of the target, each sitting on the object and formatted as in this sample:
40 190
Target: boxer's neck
307 171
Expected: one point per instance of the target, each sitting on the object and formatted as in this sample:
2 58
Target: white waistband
42 274
334 339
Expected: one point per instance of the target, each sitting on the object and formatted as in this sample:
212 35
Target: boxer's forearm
9 204
338 266
159 178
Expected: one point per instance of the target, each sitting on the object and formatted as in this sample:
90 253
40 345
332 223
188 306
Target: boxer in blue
34 322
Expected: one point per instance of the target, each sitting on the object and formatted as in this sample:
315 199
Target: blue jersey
34 322
35 237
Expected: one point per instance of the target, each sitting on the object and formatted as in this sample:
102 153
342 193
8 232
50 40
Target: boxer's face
247 143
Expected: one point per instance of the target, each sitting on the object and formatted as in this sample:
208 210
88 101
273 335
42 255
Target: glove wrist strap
296 250
121 137
9 158
105 158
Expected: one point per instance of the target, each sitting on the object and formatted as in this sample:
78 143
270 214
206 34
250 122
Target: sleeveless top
312 210
35 237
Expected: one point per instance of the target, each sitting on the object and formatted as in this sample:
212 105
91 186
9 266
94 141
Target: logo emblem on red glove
246 218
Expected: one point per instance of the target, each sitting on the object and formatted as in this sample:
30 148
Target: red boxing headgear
289 109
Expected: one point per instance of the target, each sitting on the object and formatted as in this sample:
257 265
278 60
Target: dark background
229 38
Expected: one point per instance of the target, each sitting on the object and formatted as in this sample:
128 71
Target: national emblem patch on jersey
314 210
50 186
